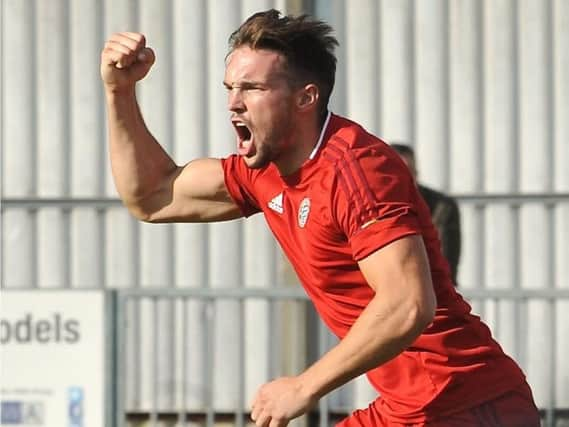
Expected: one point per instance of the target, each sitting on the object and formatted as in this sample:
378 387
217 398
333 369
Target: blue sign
11 412
17 412
75 408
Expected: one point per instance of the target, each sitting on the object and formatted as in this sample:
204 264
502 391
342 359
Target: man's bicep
198 194
203 179
400 270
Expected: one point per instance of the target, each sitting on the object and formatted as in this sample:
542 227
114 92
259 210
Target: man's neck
303 146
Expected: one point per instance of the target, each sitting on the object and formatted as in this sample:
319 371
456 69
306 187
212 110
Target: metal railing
325 412
483 198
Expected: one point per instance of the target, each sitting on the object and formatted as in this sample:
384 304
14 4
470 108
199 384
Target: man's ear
308 97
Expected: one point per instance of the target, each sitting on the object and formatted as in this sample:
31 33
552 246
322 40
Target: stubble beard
271 148
264 155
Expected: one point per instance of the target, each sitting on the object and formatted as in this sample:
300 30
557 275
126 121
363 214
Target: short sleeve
239 181
375 201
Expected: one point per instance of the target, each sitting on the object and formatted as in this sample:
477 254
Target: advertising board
52 358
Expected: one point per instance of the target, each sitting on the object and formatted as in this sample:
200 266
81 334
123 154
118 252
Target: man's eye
252 87
243 88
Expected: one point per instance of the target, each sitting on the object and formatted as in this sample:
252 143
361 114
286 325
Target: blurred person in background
346 211
444 211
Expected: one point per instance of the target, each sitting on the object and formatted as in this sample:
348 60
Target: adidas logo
277 203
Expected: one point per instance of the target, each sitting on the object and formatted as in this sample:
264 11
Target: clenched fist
125 60
279 401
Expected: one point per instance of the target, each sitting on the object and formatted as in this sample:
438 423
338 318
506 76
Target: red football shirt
350 199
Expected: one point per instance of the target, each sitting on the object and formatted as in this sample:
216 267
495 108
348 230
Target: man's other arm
403 306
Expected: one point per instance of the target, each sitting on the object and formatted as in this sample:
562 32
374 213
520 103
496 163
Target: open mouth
245 146
243 131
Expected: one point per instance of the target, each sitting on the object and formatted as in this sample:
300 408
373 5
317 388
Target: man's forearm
380 333
139 164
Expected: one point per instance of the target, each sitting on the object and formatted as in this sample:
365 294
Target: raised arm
151 185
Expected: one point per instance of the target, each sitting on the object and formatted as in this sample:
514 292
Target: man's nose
235 101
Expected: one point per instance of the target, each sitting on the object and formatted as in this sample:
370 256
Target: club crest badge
303 212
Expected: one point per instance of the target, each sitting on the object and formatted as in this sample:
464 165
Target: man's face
261 102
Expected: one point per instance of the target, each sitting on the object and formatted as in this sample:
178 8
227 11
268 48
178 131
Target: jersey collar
321 138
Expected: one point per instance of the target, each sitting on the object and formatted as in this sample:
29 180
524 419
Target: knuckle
108 53
115 37
140 40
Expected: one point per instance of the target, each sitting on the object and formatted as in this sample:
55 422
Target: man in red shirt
345 210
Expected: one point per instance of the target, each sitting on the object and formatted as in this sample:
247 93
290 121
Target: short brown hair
307 45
